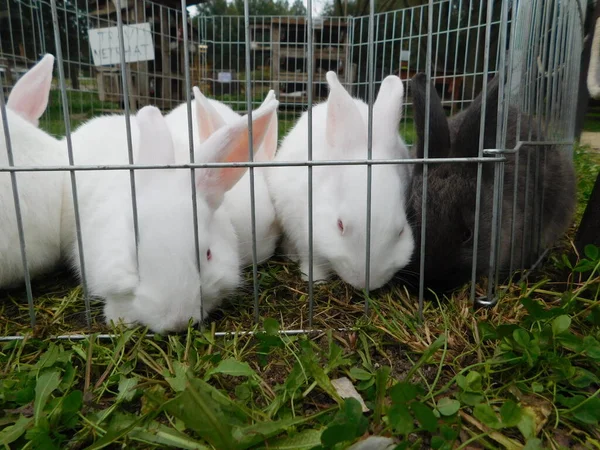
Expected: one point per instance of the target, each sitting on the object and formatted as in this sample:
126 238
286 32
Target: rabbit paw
320 275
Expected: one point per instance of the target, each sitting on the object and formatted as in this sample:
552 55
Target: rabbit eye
401 231
340 225
208 255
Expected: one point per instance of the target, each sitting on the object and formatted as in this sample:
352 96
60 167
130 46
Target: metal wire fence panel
117 57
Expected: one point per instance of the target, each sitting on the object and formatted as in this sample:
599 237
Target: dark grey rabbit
452 190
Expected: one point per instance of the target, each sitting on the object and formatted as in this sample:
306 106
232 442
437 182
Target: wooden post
165 52
275 63
142 83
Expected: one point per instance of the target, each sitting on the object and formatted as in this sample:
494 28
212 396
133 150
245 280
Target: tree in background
27 32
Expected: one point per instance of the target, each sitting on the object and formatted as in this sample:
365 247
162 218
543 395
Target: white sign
225 77
404 55
106 50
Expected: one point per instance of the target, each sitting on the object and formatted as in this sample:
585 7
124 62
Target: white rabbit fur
40 193
214 115
161 291
340 192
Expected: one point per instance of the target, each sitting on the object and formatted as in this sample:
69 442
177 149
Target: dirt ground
592 139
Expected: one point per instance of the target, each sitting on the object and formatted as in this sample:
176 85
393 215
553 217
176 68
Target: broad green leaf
403 392
583 378
127 388
46 383
588 412
178 382
68 378
486 415
425 416
323 381
197 408
164 436
560 324
39 438
234 368
510 413
401 419
305 440
537 387
15 431
471 383
48 358
521 337
271 326
592 252
348 424
72 402
114 435
250 435
381 379
486 331
470 398
334 434
448 406
360 374
533 444
527 425
592 347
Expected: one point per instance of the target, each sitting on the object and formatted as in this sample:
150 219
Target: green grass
524 374
592 120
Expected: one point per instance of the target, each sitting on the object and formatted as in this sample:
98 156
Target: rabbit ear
155 144
439 132
387 109
269 145
268 99
230 144
467 137
207 117
344 125
29 96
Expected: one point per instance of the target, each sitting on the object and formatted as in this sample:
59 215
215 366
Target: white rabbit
161 291
40 193
340 192
212 116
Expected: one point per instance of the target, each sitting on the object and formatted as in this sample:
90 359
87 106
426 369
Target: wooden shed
285 39
160 82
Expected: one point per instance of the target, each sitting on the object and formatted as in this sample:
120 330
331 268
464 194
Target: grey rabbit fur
452 188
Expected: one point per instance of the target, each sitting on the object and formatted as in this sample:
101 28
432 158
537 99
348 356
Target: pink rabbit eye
340 225
401 231
208 255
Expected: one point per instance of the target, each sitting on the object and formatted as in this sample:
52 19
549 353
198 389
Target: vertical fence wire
490 4
496 230
425 157
251 156
309 91
371 86
17 204
188 93
126 99
65 109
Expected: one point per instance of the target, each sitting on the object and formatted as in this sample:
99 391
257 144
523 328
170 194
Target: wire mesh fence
116 58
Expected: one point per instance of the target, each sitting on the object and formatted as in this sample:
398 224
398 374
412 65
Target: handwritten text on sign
106 50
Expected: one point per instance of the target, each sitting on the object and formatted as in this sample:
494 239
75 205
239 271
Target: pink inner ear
29 97
345 126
